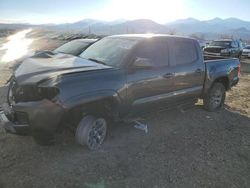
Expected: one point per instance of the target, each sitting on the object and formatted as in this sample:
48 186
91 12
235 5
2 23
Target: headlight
47 89
25 93
224 51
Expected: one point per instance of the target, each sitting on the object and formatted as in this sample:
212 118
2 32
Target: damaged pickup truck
113 80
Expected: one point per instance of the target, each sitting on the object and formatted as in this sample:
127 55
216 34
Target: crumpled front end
30 108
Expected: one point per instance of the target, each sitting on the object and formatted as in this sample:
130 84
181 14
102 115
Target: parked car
113 80
75 47
246 52
224 47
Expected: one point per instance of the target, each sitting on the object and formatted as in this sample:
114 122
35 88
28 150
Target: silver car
246 52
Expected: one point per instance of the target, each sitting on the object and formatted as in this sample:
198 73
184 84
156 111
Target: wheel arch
106 104
224 80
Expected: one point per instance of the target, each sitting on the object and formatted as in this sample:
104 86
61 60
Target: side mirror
142 63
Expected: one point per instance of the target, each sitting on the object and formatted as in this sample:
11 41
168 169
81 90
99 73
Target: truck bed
219 66
210 57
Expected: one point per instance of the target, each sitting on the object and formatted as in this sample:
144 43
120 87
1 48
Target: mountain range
204 29
231 26
209 29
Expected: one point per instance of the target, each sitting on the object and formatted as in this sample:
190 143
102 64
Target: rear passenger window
154 50
185 52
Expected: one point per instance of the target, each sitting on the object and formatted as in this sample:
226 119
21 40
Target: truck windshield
110 51
221 43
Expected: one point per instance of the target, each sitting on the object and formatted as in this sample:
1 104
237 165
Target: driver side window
155 51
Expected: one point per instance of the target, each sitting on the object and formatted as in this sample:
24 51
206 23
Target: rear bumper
39 116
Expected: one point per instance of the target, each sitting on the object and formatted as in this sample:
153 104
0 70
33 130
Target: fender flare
85 98
211 82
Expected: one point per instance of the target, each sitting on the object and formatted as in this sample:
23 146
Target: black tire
43 139
215 98
91 132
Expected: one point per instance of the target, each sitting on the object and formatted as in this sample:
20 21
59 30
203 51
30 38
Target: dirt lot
184 148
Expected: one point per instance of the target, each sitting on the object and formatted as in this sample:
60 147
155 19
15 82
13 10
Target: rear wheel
215 97
91 132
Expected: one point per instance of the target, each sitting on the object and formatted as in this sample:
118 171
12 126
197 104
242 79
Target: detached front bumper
23 118
13 128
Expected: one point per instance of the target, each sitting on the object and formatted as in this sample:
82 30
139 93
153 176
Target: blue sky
162 11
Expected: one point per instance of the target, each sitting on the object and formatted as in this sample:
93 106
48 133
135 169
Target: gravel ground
185 147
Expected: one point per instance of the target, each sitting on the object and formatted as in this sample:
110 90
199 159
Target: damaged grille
27 93
213 50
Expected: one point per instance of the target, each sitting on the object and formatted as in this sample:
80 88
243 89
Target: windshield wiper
97 61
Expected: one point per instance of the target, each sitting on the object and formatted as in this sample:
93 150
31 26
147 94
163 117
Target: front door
150 85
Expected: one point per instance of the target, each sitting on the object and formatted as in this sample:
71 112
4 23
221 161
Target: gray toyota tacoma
113 80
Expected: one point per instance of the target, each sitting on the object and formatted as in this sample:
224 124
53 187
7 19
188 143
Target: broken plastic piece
141 126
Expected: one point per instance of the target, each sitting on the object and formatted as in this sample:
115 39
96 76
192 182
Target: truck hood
36 69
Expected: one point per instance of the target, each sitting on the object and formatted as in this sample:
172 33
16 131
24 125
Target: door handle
168 75
198 71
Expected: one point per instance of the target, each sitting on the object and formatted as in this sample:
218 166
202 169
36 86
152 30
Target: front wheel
215 97
91 132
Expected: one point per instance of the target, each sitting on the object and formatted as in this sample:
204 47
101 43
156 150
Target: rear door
189 68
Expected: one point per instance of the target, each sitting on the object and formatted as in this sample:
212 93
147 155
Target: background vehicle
114 79
246 52
224 47
75 47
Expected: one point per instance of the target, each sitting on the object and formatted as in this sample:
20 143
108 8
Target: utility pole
89 30
111 30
